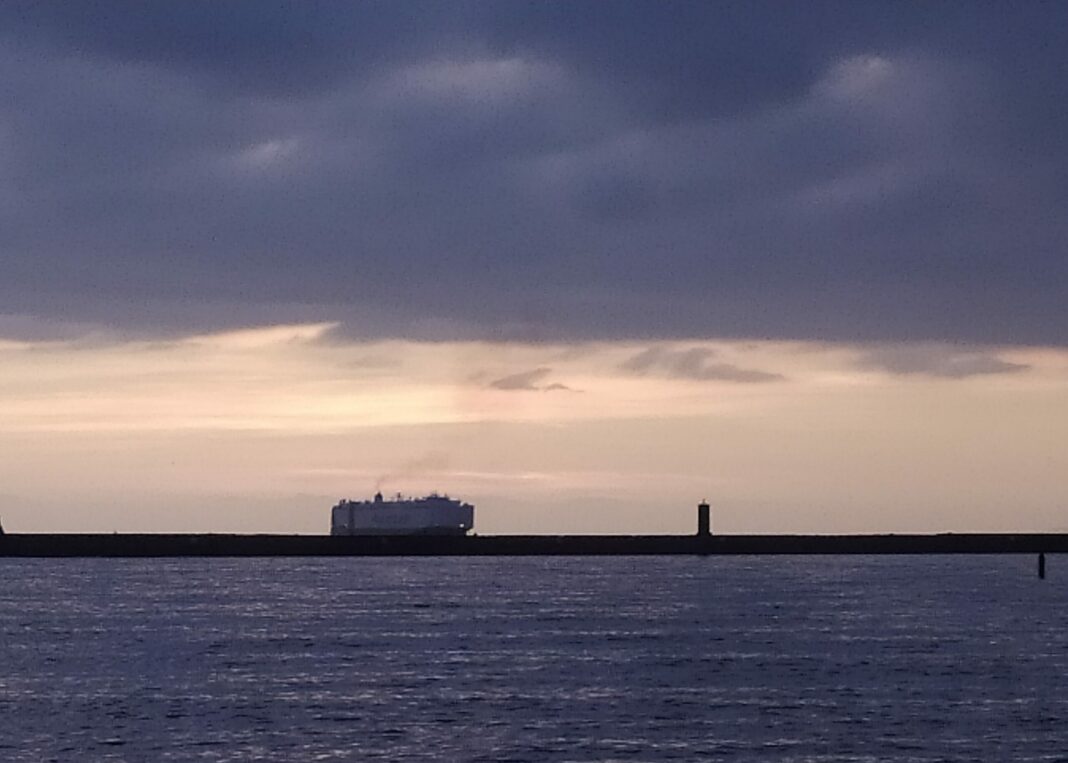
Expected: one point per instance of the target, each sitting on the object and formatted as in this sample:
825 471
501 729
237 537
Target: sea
823 658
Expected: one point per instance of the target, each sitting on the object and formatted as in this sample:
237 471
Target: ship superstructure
432 515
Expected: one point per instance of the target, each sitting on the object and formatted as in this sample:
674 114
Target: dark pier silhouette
703 543
175 545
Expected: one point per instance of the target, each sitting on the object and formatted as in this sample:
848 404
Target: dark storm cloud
943 361
246 46
694 364
538 171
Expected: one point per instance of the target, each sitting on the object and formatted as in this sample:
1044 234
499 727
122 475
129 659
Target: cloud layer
694 363
828 171
532 380
935 360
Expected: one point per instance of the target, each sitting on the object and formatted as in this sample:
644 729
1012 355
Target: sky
582 264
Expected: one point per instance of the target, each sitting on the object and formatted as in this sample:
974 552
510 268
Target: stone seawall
173 545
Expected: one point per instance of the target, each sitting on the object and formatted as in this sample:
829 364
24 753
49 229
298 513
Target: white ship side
432 515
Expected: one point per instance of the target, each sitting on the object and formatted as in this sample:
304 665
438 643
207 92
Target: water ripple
614 659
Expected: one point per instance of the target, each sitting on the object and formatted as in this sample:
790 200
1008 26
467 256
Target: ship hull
433 515
343 531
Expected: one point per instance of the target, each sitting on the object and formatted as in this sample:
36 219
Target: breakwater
175 545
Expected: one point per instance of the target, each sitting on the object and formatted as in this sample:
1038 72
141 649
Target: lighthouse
704 520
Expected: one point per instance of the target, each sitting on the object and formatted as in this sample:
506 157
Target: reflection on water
513 659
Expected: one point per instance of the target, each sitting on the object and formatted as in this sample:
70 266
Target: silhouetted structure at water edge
160 545
701 543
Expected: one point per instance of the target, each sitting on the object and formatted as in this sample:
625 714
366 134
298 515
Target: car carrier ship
432 515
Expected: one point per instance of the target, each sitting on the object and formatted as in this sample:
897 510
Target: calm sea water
545 659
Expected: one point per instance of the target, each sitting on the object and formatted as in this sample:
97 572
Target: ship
431 515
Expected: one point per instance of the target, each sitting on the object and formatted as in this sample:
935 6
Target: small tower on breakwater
704 520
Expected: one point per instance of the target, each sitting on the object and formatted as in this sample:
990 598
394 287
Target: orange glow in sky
263 429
